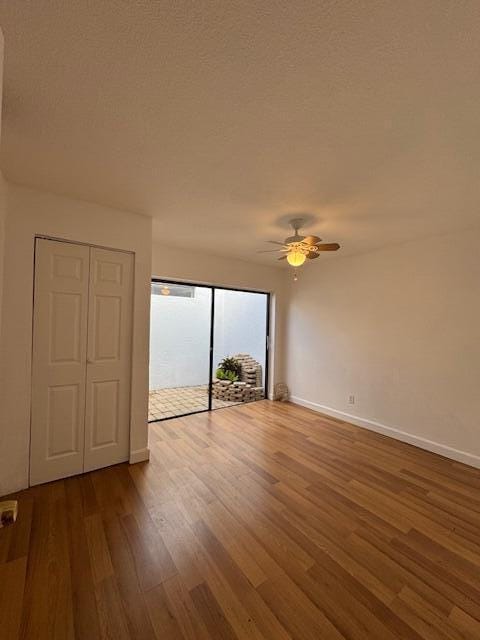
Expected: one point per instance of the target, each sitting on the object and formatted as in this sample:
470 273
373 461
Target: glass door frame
213 288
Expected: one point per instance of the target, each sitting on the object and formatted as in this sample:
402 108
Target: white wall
240 325
32 212
180 340
399 329
202 268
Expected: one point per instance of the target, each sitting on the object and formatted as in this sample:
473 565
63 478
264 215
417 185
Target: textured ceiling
220 119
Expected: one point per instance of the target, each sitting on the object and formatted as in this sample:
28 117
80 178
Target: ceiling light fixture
296 258
165 291
297 249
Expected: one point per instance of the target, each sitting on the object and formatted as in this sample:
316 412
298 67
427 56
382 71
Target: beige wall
3 220
399 329
3 205
30 213
190 266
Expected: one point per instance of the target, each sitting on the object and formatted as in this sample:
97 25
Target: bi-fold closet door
81 364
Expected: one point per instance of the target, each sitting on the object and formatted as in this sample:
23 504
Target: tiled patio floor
167 403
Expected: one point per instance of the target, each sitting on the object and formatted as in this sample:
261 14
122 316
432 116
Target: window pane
179 349
240 331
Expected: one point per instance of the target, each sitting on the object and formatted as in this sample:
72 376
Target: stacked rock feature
251 374
247 389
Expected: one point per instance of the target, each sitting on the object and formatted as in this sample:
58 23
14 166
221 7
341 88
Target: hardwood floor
258 521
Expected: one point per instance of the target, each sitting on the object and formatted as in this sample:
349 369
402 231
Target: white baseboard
397 434
139 455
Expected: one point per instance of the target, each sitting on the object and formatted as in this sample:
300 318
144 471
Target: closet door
58 360
107 418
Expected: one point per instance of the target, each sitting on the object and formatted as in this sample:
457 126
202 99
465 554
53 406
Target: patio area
168 403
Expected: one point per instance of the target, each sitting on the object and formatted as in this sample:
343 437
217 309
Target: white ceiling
220 119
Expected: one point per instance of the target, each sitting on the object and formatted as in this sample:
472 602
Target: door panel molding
61 410
105 410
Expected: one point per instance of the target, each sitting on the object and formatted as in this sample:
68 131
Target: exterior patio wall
179 340
240 325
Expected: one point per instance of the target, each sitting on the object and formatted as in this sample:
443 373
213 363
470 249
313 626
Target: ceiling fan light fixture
297 249
296 258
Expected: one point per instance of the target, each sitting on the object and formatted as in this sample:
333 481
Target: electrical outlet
351 399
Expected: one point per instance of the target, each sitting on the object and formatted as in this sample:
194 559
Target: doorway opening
208 348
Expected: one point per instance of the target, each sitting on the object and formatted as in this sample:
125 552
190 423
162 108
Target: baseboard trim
397 434
139 455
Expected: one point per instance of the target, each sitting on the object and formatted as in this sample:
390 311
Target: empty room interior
240 320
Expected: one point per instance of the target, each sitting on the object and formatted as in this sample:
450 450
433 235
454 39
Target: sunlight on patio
167 403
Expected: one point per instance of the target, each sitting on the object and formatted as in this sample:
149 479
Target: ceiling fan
298 248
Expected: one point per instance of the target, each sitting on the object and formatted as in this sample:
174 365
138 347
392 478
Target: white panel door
59 360
107 409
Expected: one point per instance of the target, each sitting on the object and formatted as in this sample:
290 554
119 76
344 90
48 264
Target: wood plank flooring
264 521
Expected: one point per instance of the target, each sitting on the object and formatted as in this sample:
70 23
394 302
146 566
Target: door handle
90 361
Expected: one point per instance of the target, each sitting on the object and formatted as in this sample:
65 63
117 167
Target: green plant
231 364
227 375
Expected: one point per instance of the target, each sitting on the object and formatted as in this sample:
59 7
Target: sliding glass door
240 345
208 348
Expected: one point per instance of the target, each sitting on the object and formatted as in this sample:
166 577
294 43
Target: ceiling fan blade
270 251
311 239
312 254
283 258
275 242
333 246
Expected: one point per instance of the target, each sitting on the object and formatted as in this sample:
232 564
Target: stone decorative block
248 388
